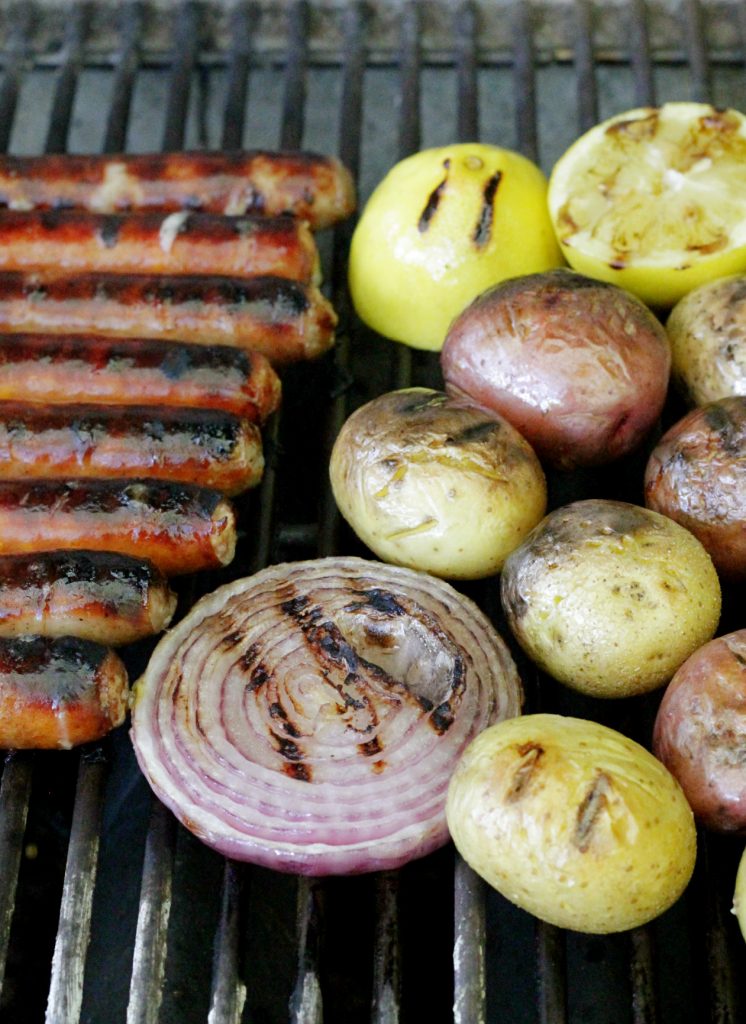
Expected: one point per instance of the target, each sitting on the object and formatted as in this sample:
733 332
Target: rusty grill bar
139 922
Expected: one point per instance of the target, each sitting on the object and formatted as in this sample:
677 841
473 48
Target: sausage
316 188
96 595
58 369
58 692
284 320
200 446
78 241
177 527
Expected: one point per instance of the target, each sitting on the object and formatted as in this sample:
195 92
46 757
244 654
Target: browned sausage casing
316 188
96 595
179 528
284 320
55 369
56 693
157 243
196 446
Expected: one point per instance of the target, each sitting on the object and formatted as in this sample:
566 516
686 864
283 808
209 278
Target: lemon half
654 199
440 228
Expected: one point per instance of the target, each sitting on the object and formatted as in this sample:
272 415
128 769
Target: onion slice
308 718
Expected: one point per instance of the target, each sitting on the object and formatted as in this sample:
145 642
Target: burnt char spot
258 678
719 420
383 601
110 227
476 432
288 748
441 718
483 229
531 754
433 200
301 772
296 606
329 640
371 748
230 640
277 711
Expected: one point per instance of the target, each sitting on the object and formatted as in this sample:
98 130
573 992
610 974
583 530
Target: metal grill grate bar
696 51
15 792
124 77
67 81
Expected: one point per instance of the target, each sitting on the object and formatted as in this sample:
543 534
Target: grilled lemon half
654 199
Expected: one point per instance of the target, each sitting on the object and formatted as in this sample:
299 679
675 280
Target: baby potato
579 367
696 474
707 331
700 732
610 598
431 483
573 822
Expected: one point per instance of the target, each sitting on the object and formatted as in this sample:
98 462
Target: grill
111 912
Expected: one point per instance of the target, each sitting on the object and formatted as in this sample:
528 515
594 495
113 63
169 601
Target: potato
579 367
436 485
696 475
739 895
707 331
572 821
700 732
610 598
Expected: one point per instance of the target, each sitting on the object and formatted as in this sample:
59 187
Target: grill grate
109 911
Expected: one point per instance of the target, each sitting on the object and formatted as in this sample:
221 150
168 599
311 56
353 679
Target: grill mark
433 200
476 432
301 772
483 229
109 232
277 711
531 754
591 806
371 747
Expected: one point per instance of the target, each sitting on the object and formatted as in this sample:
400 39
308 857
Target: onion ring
308 718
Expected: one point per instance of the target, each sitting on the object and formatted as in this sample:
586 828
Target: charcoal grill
109 911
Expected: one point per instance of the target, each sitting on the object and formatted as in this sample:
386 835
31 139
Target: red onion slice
308 718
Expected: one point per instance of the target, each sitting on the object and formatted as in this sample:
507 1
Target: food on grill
572 821
429 482
311 186
56 693
284 320
206 447
78 241
443 225
578 366
696 474
58 369
610 598
308 718
178 527
96 595
707 331
700 732
654 199
739 895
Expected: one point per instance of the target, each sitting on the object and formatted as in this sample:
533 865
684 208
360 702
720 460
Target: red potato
697 476
579 367
700 732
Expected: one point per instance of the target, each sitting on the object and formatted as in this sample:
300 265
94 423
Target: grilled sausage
63 369
179 528
79 241
284 320
316 188
56 693
198 446
96 595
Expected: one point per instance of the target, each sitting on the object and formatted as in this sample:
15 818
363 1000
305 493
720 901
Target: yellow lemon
442 226
654 199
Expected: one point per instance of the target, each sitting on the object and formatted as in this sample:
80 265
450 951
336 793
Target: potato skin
696 474
579 367
572 821
707 332
700 732
434 484
610 598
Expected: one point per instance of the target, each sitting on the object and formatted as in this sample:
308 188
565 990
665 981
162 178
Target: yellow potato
442 226
572 821
429 482
610 598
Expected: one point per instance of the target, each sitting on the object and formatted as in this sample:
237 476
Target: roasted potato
700 732
572 821
432 483
579 367
610 598
696 475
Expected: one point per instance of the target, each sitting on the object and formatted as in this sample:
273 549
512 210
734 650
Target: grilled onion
308 718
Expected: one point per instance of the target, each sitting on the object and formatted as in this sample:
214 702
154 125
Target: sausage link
284 320
78 241
199 446
95 595
316 188
178 528
57 369
58 692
